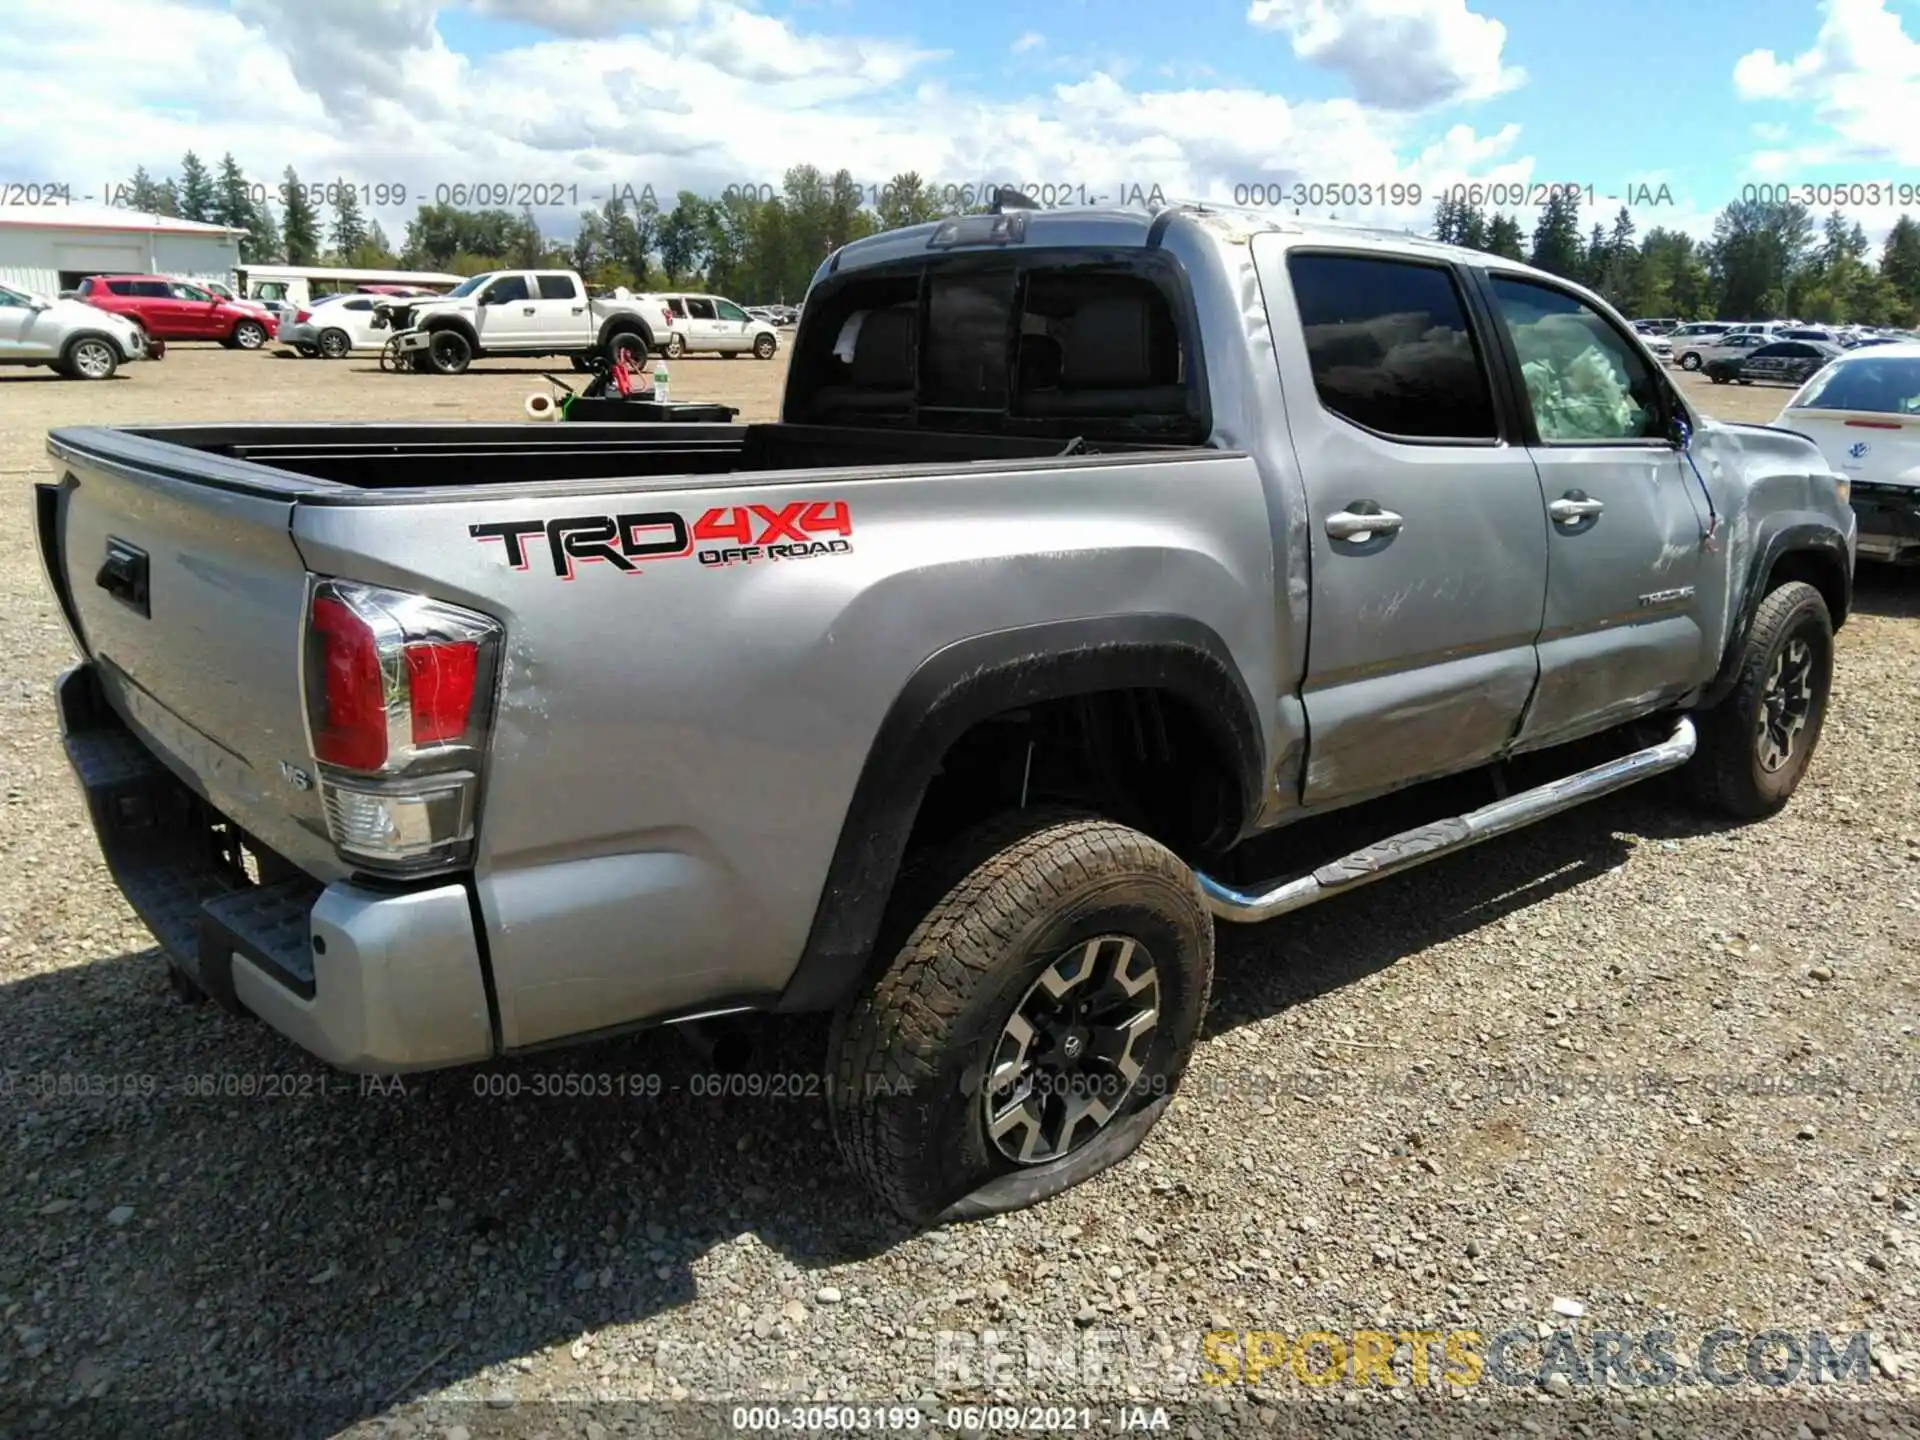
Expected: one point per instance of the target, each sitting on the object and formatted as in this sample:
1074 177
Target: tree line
1765 260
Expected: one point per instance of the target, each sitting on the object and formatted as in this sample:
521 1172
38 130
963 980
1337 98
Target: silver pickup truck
1090 547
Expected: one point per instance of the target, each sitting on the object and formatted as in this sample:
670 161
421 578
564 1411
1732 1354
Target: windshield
469 285
1881 384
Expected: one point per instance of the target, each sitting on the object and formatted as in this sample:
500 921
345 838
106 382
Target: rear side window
121 287
556 287
678 306
153 289
1390 347
700 309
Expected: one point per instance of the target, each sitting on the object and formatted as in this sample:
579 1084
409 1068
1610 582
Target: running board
1427 842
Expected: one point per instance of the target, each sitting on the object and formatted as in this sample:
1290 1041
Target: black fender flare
453 322
625 320
968 681
1825 543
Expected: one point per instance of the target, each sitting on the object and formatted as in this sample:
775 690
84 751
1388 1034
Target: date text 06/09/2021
976 1419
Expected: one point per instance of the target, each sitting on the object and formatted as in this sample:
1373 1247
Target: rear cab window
1058 344
557 287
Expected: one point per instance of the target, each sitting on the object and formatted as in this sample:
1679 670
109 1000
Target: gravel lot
1665 1069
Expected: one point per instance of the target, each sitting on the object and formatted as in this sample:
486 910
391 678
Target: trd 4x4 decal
757 532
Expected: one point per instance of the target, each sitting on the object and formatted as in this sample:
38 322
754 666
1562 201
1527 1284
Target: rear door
16 317
703 324
561 310
1623 627
1425 521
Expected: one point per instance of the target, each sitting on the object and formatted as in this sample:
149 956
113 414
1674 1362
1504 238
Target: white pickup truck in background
526 312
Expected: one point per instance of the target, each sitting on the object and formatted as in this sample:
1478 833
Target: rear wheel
1690 361
1755 745
1034 1023
449 353
90 358
249 335
335 343
675 347
630 344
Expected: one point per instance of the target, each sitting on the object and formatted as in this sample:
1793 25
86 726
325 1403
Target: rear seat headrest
1108 344
883 351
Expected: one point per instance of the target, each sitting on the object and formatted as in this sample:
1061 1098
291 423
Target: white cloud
1032 40
1397 54
1861 75
582 18
371 92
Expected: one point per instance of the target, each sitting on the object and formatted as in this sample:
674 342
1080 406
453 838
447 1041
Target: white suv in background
75 339
710 325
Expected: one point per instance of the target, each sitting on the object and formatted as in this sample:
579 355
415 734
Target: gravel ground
1662 1069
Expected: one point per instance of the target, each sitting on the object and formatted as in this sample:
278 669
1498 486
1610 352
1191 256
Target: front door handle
528 310
1574 506
1362 520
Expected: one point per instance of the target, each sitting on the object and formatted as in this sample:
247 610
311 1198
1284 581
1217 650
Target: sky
1363 109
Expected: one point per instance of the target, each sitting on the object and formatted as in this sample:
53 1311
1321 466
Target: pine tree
349 226
146 195
232 200
299 227
1472 226
1595 265
1900 266
196 190
1504 237
1556 238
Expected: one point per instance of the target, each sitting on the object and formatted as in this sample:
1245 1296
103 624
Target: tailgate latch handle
124 576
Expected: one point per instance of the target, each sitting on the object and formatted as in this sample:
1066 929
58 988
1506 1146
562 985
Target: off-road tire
449 352
1726 774
983 920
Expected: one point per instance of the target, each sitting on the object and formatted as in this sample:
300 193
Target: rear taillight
300 317
399 692
666 316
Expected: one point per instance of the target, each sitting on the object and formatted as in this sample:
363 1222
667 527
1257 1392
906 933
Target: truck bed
319 462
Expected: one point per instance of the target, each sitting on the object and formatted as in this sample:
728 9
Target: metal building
49 248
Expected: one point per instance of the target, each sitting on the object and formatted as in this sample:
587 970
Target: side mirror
39 303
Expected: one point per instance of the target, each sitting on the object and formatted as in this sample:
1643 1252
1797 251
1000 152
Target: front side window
187 292
11 298
730 311
1584 380
506 290
1390 347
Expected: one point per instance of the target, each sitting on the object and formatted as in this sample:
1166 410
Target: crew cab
1097 557
180 310
526 312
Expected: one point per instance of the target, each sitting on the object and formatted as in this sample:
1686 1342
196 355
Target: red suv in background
179 310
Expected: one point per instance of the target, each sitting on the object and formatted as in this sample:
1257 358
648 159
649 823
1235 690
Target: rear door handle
1573 506
529 310
1363 519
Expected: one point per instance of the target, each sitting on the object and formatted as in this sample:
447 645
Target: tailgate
187 592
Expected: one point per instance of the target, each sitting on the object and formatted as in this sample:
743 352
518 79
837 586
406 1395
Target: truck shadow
334 1247
1892 591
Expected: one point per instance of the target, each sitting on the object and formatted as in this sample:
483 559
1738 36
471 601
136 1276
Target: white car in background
1695 352
71 337
710 325
1863 411
335 327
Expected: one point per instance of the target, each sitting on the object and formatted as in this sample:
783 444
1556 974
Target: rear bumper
372 981
1889 517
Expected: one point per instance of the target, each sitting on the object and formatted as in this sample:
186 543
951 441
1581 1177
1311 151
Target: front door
508 317
1626 517
1427 537
733 329
198 312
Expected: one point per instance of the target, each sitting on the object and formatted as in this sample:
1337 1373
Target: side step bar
1427 842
